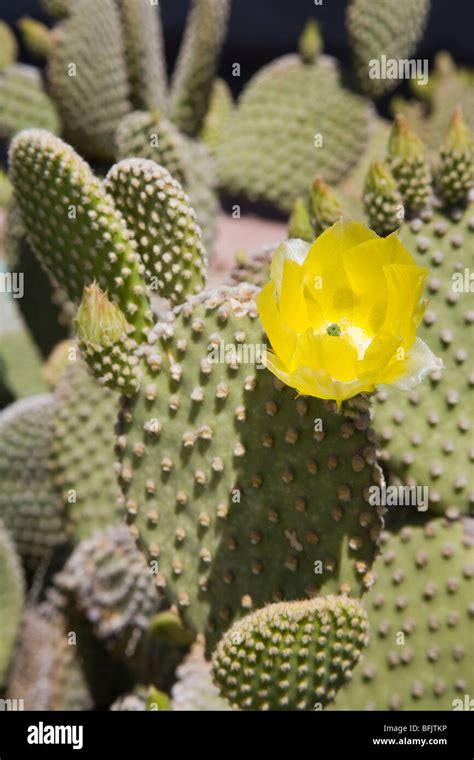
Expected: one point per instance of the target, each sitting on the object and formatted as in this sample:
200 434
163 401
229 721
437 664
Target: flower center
334 329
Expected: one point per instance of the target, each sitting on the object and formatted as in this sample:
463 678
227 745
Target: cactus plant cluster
300 115
194 533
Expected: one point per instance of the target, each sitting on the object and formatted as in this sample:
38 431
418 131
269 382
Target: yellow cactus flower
341 314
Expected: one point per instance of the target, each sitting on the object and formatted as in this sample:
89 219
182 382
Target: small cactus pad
11 599
384 27
421 623
81 457
293 120
409 166
73 225
151 136
23 102
456 172
191 84
109 582
158 212
8 46
219 462
145 54
88 77
382 200
291 655
29 505
104 343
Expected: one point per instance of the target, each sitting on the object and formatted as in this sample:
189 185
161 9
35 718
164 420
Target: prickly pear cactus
191 83
151 136
81 455
108 581
87 75
270 148
196 447
24 102
291 655
420 620
383 27
11 599
29 505
144 52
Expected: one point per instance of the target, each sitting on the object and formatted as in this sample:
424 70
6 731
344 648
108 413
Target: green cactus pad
88 77
145 54
29 505
20 364
427 433
8 46
58 8
191 84
326 208
104 343
219 461
217 117
299 223
150 136
383 202
81 458
391 28
108 581
420 620
44 308
37 37
292 121
456 170
291 655
24 102
46 671
158 212
11 599
409 166
73 225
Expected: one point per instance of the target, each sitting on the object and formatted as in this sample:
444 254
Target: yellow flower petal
281 336
404 289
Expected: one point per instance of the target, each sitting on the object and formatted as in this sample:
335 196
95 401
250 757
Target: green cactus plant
449 86
11 599
191 84
420 621
287 126
8 46
391 28
24 101
151 136
106 580
29 506
298 117
291 655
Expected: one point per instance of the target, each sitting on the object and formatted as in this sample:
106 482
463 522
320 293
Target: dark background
261 30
